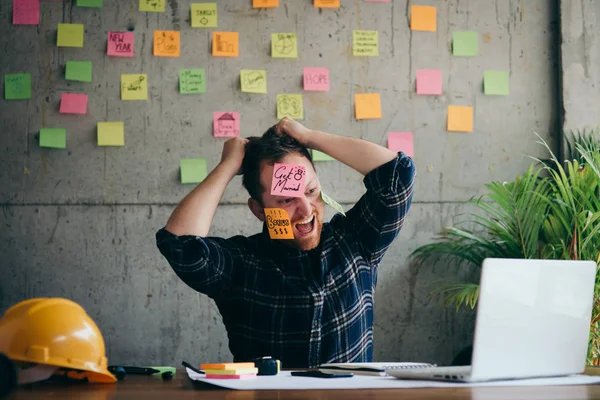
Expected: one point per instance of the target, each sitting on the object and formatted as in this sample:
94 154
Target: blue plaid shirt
304 308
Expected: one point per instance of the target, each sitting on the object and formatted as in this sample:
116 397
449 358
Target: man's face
305 212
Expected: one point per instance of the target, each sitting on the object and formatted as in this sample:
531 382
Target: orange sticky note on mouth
278 223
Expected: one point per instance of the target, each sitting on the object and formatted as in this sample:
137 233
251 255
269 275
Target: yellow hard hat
54 331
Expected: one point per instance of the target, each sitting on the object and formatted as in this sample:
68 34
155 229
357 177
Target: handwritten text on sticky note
134 87
120 44
26 12
225 44
166 43
152 5
365 43
226 124
290 105
204 15
17 86
192 81
278 223
288 180
253 81
316 79
73 103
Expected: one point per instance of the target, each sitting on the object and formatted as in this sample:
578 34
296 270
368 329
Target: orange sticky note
225 44
327 3
166 43
423 18
278 223
367 106
460 119
265 3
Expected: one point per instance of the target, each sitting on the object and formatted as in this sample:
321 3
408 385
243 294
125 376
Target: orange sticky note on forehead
278 223
289 180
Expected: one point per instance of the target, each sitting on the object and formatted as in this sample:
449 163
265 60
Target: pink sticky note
401 141
26 12
120 44
429 81
288 180
316 79
73 103
226 124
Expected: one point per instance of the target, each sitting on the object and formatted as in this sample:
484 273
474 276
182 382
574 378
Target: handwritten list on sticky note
111 134
265 3
465 44
193 170
460 119
365 43
134 87
166 43
496 83
80 71
290 105
226 124
253 80
289 180
401 141
284 45
278 223
192 81
90 3
327 3
204 15
73 103
152 5
367 106
120 44
225 44
316 79
53 137
26 12
17 86
429 82
70 35
423 18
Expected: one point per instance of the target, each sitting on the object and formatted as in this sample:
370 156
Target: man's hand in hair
294 129
233 153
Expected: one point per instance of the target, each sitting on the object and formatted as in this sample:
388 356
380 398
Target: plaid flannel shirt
304 308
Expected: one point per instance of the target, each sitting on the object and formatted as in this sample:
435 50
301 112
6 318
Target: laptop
533 320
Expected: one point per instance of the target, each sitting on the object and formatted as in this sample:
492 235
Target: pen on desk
188 365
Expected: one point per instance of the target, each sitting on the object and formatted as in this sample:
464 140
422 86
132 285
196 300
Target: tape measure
267 365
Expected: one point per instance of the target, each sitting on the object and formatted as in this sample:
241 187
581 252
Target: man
307 300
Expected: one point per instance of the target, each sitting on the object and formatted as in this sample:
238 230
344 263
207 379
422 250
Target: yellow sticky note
225 44
265 3
152 5
253 81
367 105
167 43
278 223
423 18
327 3
70 35
284 45
290 105
111 134
134 87
460 119
204 15
365 43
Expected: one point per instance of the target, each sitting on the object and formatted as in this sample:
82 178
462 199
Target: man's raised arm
195 212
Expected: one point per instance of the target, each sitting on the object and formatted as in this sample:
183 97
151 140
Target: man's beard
312 241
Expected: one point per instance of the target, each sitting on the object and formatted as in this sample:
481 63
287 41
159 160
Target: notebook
371 368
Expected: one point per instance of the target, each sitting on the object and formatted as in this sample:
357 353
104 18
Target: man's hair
270 148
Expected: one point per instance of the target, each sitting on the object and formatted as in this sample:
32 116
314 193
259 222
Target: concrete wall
80 222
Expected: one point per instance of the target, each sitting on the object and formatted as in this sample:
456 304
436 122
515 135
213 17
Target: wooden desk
144 387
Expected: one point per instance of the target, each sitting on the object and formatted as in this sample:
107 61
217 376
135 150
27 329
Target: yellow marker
278 223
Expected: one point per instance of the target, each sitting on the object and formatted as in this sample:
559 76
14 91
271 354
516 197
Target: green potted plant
552 211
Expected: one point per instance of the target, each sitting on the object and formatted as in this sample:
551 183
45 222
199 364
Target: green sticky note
192 81
465 44
320 156
193 170
70 35
89 3
253 80
53 137
496 83
332 203
204 15
17 86
79 71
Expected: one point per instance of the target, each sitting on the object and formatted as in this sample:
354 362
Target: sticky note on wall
120 44
193 170
316 79
192 81
226 124
17 86
288 180
80 71
423 18
26 12
134 87
401 141
327 3
90 3
111 134
365 43
460 119
70 35
465 44
496 83
265 3
367 106
290 105
253 80
204 15
152 5
278 223
429 82
284 45
53 138
225 44
166 43
73 103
